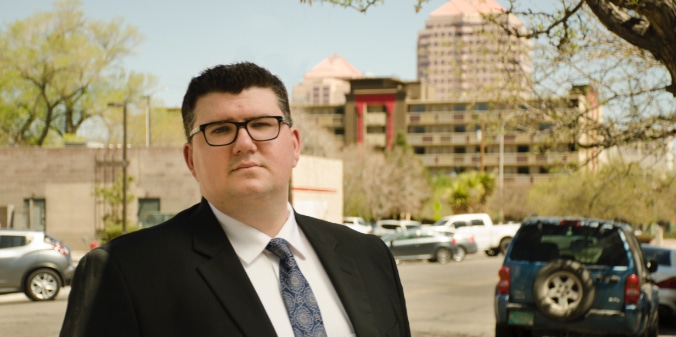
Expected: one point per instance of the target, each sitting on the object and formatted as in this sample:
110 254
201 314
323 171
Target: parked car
466 242
384 227
665 277
493 239
358 224
427 244
575 276
34 263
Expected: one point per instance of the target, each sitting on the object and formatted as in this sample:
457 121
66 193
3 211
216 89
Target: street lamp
124 161
147 97
501 165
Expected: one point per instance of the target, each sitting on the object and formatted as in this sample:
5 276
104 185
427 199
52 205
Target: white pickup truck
493 239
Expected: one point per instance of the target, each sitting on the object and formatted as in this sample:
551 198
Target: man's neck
266 216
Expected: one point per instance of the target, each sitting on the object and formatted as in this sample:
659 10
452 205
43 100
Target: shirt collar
249 242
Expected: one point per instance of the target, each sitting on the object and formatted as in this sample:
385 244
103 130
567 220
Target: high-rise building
466 57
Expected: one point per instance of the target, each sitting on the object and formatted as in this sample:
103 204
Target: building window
416 108
417 129
523 149
148 208
522 170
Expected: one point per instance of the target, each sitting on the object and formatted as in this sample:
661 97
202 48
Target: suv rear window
587 245
9 241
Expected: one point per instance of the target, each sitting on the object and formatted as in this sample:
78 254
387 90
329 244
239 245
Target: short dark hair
231 78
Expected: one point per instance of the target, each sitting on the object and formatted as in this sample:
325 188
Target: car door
10 251
403 245
477 228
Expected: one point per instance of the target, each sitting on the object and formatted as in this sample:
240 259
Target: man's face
245 169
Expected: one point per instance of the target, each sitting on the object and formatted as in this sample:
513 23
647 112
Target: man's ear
297 145
187 156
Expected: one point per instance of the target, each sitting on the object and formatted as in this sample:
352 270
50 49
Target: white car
389 226
358 224
665 277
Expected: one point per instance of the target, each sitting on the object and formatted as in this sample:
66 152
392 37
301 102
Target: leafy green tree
59 70
628 191
470 190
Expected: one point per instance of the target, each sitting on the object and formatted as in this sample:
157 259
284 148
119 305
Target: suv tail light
632 289
503 284
669 283
454 241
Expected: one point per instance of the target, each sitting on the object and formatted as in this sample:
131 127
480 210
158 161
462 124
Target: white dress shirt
262 267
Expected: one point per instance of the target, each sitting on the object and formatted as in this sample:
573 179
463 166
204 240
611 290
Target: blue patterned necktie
300 302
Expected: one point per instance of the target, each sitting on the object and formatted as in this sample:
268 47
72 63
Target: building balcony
468 138
377 140
376 119
493 159
327 120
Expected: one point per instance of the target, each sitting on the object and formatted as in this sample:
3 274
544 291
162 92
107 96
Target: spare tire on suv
564 290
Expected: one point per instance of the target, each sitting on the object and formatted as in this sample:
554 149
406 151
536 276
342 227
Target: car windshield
587 245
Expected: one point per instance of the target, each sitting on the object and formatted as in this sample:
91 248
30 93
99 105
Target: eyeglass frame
238 125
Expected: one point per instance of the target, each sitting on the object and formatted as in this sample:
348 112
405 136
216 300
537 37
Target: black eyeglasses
223 133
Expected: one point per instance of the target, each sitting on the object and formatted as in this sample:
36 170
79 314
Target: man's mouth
243 166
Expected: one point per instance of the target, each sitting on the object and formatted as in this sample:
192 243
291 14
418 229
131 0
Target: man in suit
210 271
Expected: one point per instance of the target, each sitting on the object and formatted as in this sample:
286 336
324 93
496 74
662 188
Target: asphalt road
452 300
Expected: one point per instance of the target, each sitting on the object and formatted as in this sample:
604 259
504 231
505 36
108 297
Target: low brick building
53 189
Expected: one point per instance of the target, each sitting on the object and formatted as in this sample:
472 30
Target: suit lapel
344 274
224 274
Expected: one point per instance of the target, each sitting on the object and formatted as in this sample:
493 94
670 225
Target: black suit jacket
183 278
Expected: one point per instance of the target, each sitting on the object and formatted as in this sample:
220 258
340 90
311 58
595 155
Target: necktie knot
279 247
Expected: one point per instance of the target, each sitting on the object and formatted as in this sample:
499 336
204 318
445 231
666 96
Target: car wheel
459 255
42 285
563 290
504 244
443 255
654 329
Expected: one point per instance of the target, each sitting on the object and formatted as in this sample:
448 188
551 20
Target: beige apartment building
452 137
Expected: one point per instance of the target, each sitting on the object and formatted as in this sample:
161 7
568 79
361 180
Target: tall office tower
467 58
326 83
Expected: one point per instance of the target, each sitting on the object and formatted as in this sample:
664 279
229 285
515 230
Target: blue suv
573 277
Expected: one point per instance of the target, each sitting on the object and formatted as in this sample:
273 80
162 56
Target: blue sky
184 37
